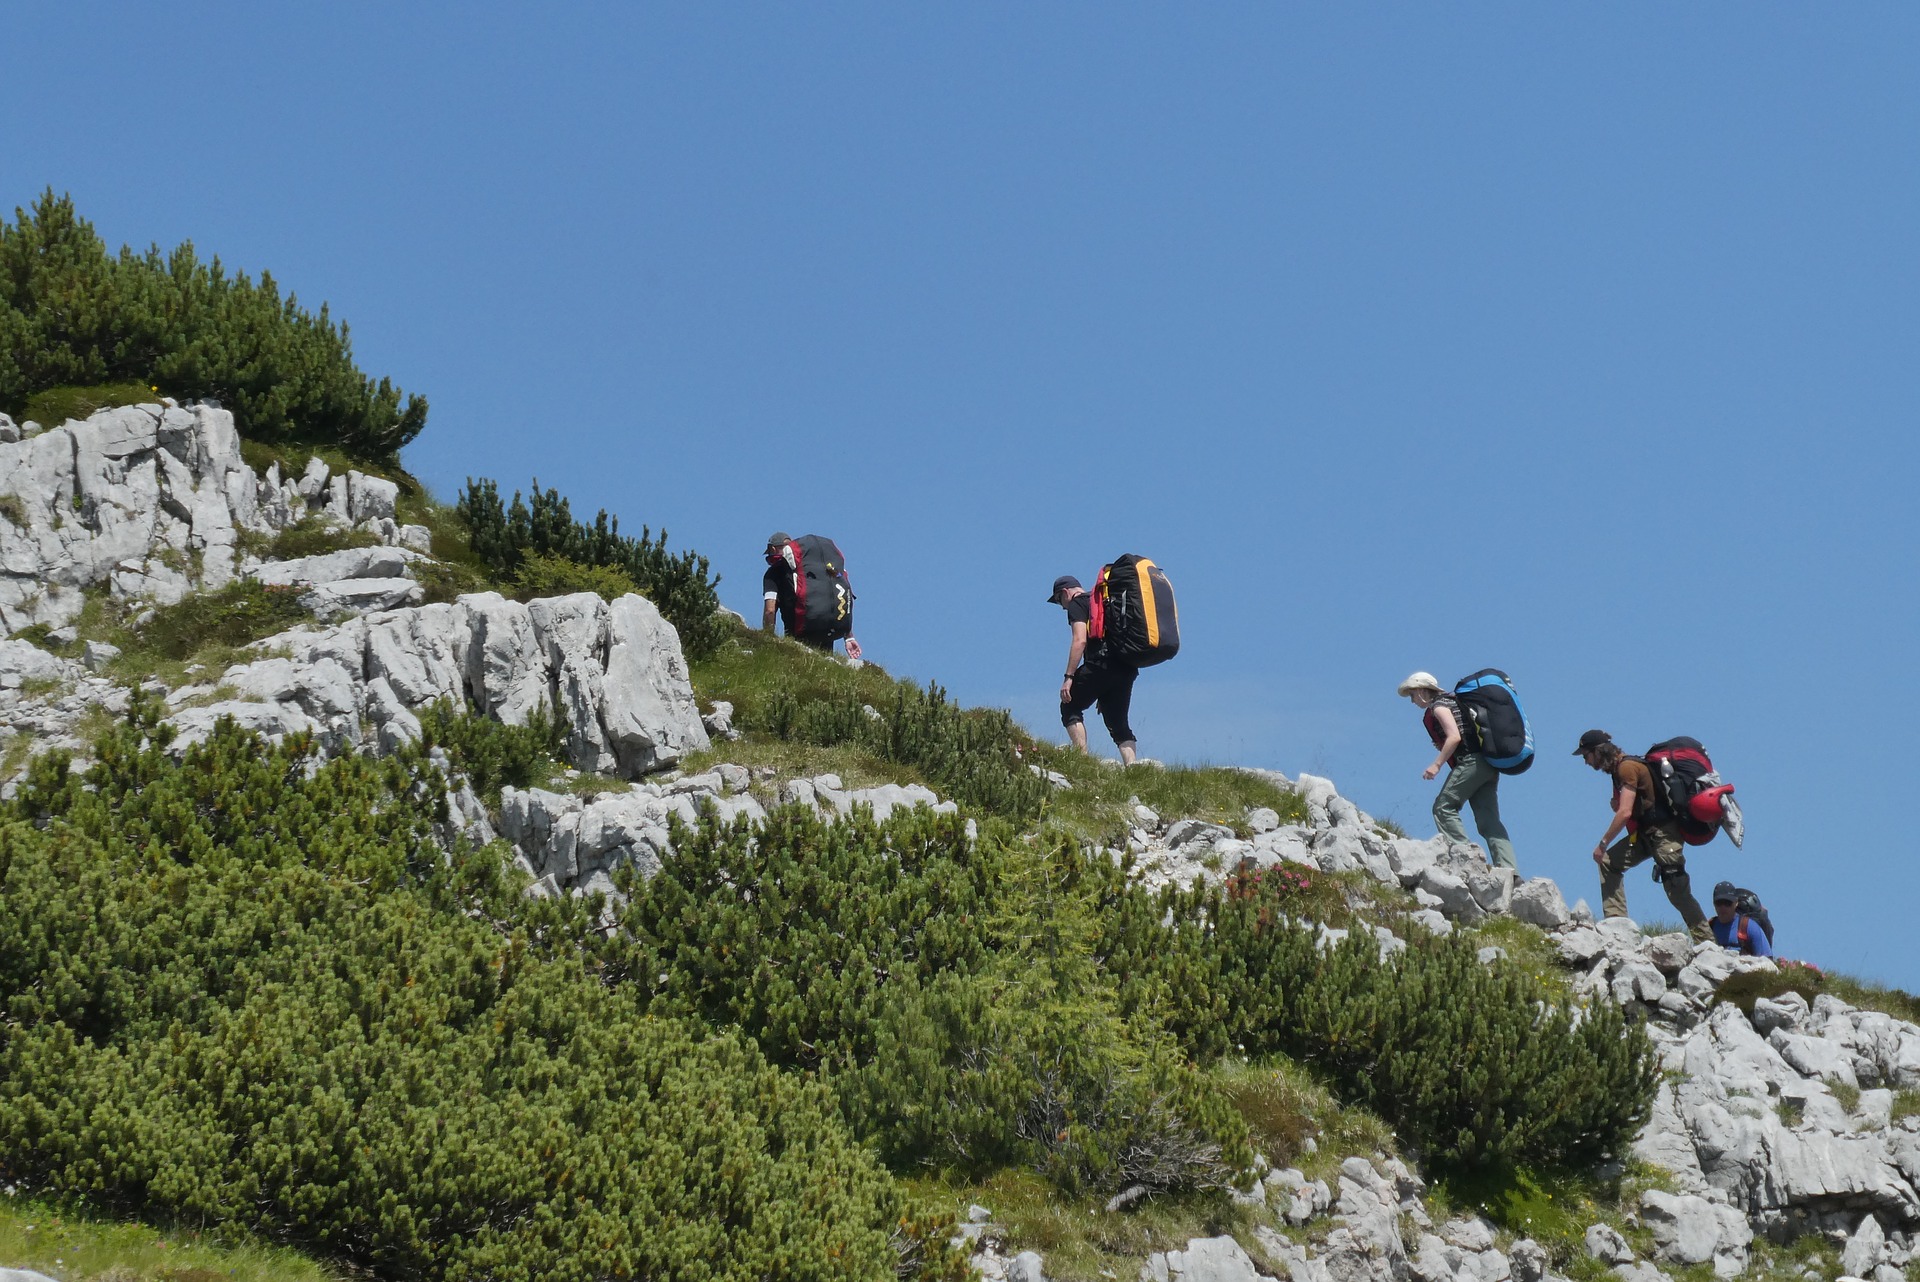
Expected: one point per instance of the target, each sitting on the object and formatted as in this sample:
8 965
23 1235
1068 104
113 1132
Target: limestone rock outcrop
613 670
151 502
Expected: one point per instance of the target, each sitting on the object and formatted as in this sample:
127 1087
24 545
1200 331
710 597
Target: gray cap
1060 585
778 538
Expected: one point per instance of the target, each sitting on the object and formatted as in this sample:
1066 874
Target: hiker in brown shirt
1633 810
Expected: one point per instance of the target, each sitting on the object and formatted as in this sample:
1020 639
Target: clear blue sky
1576 341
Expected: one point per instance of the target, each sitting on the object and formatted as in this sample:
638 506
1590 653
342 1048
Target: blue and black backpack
1495 726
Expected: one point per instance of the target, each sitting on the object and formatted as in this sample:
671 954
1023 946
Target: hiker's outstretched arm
768 614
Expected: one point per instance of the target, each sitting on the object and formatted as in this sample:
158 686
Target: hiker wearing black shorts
1092 677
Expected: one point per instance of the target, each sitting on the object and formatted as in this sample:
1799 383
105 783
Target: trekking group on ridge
1661 802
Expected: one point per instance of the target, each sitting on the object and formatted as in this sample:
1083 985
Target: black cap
1726 892
1590 740
1060 585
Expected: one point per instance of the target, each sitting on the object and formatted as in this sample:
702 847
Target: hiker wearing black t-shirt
1092 677
782 600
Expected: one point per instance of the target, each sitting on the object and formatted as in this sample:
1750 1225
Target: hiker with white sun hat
1471 779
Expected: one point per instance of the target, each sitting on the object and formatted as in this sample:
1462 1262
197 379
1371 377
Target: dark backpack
1688 793
823 595
1495 726
1133 612
1747 904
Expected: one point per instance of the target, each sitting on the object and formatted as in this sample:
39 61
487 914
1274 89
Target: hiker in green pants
1470 781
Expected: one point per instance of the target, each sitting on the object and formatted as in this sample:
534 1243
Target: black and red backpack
1690 794
822 593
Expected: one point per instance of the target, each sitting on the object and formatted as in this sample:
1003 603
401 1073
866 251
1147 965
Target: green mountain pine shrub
541 575
248 989
945 987
1472 1064
493 754
504 537
71 315
972 754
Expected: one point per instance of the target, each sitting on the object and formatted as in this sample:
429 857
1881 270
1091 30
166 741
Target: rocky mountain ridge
1776 1123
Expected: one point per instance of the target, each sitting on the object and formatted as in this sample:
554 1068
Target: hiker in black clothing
781 599
1092 677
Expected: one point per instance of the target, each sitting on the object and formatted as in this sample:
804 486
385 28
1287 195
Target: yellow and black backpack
1133 612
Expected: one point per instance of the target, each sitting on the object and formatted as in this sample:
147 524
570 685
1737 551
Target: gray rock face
1539 901
1692 1230
613 670
1605 1244
45 699
1206 1259
150 501
1865 1249
131 497
572 845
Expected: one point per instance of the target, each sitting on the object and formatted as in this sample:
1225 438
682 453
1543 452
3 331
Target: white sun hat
1419 681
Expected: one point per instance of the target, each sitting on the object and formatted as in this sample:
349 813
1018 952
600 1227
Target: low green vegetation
55 405
1081 1240
948 988
81 1246
783 692
244 611
1810 981
73 316
806 714
1284 1105
503 536
491 754
310 536
248 991
1097 802
1473 1065
191 641
1527 947
541 575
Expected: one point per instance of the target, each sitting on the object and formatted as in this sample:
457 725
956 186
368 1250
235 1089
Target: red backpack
1689 793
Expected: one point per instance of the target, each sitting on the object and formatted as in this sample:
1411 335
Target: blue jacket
1727 935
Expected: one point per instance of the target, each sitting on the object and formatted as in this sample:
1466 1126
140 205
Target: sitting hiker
1470 780
1740 926
1651 838
782 597
1092 675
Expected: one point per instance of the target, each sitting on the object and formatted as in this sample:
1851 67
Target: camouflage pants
1669 854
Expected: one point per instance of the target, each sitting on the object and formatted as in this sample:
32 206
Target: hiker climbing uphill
1471 780
1650 835
1740 922
1128 622
806 585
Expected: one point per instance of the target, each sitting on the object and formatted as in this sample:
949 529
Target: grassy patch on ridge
77 1246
